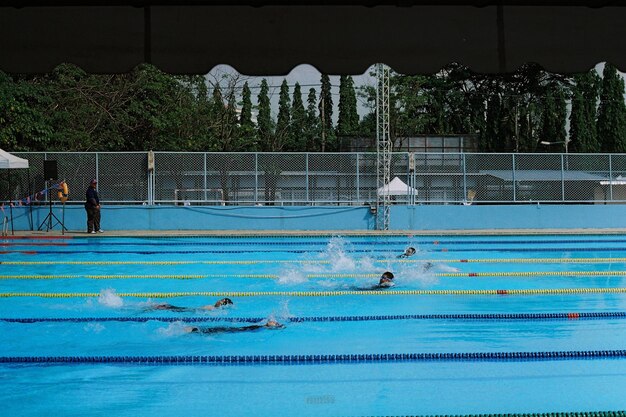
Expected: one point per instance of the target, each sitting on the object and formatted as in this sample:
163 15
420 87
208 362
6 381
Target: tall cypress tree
298 121
348 119
264 119
583 134
247 131
326 115
284 117
312 123
553 116
612 112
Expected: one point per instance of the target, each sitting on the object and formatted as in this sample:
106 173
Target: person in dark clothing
270 324
92 206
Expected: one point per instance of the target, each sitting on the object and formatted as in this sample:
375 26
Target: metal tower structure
383 148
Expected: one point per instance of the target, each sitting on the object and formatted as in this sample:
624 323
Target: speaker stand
51 220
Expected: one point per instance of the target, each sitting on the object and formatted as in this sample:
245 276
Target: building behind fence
324 178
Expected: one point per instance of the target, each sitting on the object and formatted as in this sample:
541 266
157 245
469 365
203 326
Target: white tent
9 161
397 187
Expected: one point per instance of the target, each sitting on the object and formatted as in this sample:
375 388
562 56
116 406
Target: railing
326 178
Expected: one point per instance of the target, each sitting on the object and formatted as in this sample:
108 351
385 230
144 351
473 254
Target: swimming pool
474 324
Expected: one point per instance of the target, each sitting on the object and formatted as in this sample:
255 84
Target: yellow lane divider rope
328 275
384 261
553 291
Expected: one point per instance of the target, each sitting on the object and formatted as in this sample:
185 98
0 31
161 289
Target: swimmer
386 281
169 307
410 251
270 324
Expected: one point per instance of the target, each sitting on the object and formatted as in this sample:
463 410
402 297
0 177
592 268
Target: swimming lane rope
547 291
461 317
318 359
298 261
324 275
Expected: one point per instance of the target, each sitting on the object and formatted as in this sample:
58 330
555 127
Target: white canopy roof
397 187
9 161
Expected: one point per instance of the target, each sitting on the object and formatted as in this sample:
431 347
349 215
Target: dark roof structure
338 37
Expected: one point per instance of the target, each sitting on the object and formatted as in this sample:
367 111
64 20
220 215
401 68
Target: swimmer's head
223 302
409 251
387 275
385 283
273 324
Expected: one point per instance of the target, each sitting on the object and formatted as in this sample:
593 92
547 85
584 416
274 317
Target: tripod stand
51 218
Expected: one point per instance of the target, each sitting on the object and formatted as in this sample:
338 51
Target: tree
348 119
612 112
326 115
583 133
23 125
246 125
298 122
283 128
265 124
312 123
553 115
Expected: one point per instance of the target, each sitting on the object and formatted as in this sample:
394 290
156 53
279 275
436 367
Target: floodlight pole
383 148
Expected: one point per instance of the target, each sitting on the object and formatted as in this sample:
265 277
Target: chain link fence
287 179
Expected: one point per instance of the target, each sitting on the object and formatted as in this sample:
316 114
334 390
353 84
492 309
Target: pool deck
244 233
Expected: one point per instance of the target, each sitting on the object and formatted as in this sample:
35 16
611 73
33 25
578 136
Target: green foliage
283 123
265 124
312 123
583 133
326 116
348 120
612 112
23 126
298 122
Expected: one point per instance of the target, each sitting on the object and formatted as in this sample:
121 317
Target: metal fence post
358 183
306 162
97 168
611 177
256 177
464 198
562 178
204 183
513 178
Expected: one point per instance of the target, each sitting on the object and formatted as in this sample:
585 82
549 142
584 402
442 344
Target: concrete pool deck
244 233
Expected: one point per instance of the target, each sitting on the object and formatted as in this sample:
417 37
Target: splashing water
173 329
291 276
337 253
110 299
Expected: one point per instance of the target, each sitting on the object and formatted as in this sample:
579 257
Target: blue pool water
81 298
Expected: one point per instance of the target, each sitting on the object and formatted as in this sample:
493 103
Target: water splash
108 298
175 328
291 276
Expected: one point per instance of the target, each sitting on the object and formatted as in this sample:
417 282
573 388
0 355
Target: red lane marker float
436 242
34 244
503 292
28 252
444 250
573 316
463 260
472 274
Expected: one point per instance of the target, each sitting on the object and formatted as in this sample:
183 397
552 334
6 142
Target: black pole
11 204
